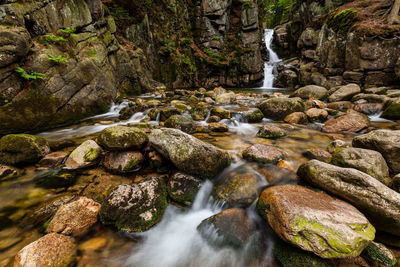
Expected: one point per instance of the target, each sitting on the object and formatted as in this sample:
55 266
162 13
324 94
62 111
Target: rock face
188 153
378 202
75 217
50 250
386 142
315 222
344 93
263 154
311 92
368 161
136 207
85 155
352 122
122 138
124 161
22 149
183 188
232 226
278 108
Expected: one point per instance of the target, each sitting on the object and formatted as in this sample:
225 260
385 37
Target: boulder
317 115
231 227
352 122
344 93
226 98
18 149
386 142
379 255
122 137
182 123
335 145
55 178
311 92
369 108
75 218
296 118
221 113
380 203
218 127
123 161
392 111
189 154
50 250
7 172
263 154
53 159
271 131
319 154
253 115
315 221
85 155
341 105
136 207
278 108
183 187
365 160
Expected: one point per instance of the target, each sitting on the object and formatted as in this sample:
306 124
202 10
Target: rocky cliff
63 60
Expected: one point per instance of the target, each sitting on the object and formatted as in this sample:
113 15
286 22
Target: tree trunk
394 13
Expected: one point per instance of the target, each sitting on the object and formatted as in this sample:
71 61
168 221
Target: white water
273 59
239 126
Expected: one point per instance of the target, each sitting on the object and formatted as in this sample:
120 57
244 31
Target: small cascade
240 126
273 59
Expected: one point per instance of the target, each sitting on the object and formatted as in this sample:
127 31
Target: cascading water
273 59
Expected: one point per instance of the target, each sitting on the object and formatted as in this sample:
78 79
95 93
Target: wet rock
93 244
341 105
7 172
124 161
213 119
336 145
165 113
218 127
55 178
392 111
352 122
136 207
158 162
311 92
379 255
189 154
386 142
221 113
53 159
22 149
122 137
182 123
85 155
369 108
198 114
378 202
226 98
238 189
75 217
368 161
334 228
317 115
319 154
231 227
278 108
263 154
296 118
183 188
50 250
345 93
271 131
253 115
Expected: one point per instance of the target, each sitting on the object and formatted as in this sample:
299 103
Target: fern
60 59
69 31
29 76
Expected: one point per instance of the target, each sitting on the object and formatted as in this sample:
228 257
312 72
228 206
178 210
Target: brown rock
352 122
123 162
218 127
296 118
263 154
53 159
317 115
319 154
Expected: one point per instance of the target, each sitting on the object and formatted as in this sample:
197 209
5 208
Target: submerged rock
50 250
278 108
188 153
368 161
85 155
75 217
352 122
122 137
136 207
315 222
124 161
386 142
380 203
22 149
263 154
183 188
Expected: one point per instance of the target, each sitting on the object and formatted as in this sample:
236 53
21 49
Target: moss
91 154
342 21
379 255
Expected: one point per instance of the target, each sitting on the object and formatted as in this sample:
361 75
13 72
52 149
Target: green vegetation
29 76
59 59
119 12
275 12
70 32
52 39
342 21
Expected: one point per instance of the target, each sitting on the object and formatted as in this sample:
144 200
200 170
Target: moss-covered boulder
263 154
182 123
392 111
85 155
311 92
123 161
365 160
122 137
218 127
271 131
189 154
221 113
315 222
278 108
183 188
378 255
253 115
378 202
231 227
135 207
22 149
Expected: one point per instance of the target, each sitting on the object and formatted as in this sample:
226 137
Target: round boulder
311 92
124 161
263 154
182 123
278 108
85 155
122 137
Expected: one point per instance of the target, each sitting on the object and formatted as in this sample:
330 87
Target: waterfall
273 59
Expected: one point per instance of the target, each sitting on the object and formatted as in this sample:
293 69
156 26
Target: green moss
342 21
91 154
379 255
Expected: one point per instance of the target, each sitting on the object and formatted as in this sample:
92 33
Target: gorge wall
74 57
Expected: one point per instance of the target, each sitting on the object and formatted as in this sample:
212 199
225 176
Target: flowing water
269 66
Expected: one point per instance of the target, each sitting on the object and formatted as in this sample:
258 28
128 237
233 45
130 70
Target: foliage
275 11
59 59
69 32
29 76
341 21
51 38
119 12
